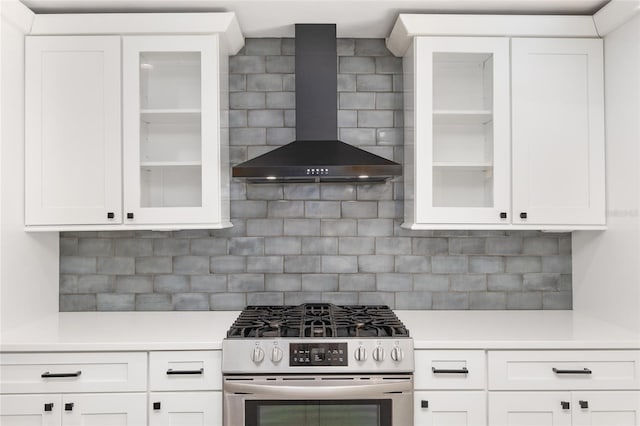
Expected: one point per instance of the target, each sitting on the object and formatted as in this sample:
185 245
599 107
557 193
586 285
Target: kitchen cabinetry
558 131
173 163
565 408
73 410
478 157
165 167
562 381
450 388
69 389
186 388
73 150
459 154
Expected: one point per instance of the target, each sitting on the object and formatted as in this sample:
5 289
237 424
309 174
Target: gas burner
317 320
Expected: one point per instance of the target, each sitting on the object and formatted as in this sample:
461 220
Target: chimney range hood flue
317 155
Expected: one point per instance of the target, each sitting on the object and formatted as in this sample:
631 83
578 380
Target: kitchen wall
608 263
294 243
28 287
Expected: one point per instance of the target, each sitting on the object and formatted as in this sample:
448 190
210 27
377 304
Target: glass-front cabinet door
462 131
171 139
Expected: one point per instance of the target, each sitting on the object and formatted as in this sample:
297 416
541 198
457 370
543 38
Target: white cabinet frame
419 159
72 133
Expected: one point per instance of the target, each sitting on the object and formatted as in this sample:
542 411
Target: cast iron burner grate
320 320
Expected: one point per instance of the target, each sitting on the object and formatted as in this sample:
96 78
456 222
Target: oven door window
366 412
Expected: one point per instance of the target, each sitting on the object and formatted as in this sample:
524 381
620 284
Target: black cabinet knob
523 215
424 404
48 406
156 405
129 215
110 215
583 404
565 405
68 406
503 215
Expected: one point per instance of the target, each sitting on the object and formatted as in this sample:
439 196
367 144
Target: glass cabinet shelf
170 163
463 165
170 115
462 116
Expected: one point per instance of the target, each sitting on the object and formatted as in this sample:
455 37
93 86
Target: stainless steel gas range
318 364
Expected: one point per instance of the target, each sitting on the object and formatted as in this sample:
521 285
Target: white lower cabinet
117 409
450 408
591 408
529 409
450 388
186 388
605 408
572 388
185 408
30 410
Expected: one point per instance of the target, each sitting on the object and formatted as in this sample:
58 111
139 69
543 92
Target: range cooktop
317 338
317 320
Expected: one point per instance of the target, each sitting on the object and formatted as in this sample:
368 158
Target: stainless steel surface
244 356
397 388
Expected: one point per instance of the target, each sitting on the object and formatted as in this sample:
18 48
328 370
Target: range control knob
378 354
361 354
396 354
276 354
257 355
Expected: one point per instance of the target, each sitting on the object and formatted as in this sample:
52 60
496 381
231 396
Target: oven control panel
318 354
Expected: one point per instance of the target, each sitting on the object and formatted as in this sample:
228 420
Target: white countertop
119 331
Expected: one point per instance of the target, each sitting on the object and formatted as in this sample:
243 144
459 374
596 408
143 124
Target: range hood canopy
317 155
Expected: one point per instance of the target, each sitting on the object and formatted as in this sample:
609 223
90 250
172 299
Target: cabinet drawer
446 369
542 370
73 372
185 370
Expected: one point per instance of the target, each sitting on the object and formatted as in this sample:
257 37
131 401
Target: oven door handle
317 391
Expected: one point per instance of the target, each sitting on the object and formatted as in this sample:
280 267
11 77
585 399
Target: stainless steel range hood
317 155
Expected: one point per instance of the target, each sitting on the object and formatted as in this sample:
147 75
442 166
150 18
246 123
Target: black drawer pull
48 406
523 215
110 215
583 404
129 215
565 405
47 375
173 372
68 406
503 215
463 370
583 371
424 404
156 405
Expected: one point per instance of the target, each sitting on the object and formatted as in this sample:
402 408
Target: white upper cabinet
461 122
558 131
166 166
73 151
501 132
172 158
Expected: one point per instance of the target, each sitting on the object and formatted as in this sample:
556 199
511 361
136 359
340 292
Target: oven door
329 400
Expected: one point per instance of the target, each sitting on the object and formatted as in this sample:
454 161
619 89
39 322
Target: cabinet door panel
460 158
171 122
118 409
450 408
558 131
606 408
185 408
529 409
29 410
72 133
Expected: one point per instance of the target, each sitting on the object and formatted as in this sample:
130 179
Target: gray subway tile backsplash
296 243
